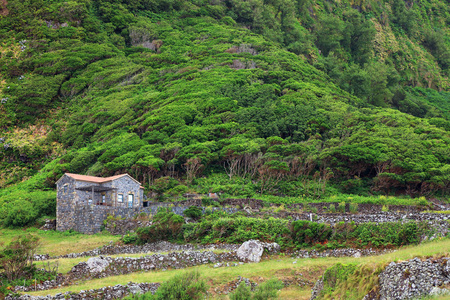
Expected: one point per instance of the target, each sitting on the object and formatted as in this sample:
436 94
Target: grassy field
277 266
59 243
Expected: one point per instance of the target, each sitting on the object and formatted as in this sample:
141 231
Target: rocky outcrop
107 293
251 251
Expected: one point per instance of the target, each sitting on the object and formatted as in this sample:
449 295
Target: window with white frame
130 200
120 198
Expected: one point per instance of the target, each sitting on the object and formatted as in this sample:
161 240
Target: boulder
135 289
97 264
250 251
357 254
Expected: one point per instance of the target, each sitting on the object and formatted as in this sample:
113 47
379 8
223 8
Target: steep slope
275 97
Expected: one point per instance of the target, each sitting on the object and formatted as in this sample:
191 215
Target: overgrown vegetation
305 99
219 227
265 291
186 286
16 264
350 281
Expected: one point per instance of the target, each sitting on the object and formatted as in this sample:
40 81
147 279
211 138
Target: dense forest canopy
301 98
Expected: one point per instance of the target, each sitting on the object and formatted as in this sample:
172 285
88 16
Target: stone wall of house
65 203
125 186
89 219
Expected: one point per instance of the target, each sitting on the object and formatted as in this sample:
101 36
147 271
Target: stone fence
89 219
110 292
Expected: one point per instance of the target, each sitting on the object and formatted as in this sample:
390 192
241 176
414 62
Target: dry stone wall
101 266
106 293
155 247
89 218
413 279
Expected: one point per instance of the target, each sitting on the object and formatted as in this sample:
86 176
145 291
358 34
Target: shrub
242 292
332 208
265 291
45 204
166 226
21 214
268 289
130 238
193 212
353 208
187 286
306 232
16 259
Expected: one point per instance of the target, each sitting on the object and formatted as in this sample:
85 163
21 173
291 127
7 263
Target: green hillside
297 98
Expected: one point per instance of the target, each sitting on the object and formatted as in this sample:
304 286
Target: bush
193 212
16 259
21 214
166 226
268 289
306 232
242 292
265 291
187 286
45 204
130 238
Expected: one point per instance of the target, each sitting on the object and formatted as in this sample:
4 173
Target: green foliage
312 99
265 291
268 289
336 275
166 226
242 292
309 233
20 215
186 286
237 230
16 258
193 212
130 238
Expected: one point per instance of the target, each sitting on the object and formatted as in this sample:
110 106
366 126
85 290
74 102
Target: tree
330 34
16 259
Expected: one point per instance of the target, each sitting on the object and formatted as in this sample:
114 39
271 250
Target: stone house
81 192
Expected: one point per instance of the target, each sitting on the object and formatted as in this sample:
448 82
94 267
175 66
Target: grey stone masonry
84 201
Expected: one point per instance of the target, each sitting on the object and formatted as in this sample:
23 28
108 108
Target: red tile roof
96 179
